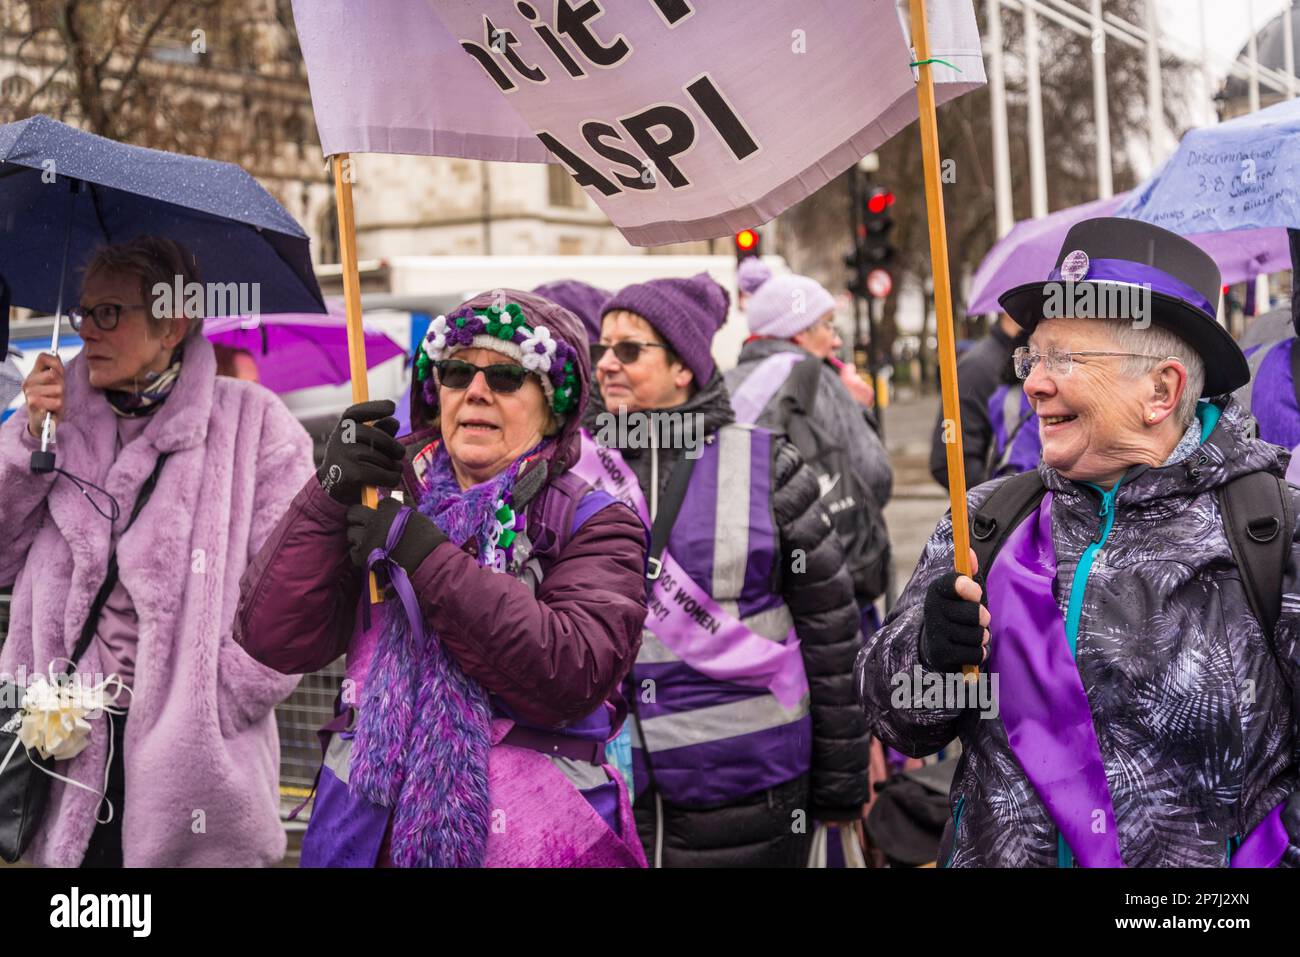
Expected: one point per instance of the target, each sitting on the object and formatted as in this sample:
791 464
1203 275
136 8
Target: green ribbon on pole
934 59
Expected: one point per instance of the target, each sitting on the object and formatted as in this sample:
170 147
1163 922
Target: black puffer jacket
820 601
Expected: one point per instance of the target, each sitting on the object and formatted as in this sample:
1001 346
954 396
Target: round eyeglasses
1059 362
105 316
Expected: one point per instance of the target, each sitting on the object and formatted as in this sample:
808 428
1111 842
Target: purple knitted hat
787 305
582 300
563 328
686 312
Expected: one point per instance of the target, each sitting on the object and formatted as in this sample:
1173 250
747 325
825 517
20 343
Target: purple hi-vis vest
1016 446
719 685
1271 393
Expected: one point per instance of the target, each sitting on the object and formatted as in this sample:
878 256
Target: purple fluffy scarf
424 726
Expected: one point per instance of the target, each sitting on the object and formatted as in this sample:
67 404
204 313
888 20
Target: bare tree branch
142 48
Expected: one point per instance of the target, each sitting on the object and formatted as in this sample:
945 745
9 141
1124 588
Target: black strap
807 377
666 516
1260 524
669 506
110 579
1295 370
1257 518
1000 513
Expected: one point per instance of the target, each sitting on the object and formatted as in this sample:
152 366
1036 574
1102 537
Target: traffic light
877 247
856 262
748 243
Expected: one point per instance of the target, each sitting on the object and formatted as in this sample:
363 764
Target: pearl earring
1151 416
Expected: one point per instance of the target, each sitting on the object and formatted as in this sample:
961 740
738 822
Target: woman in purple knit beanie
471 729
744 711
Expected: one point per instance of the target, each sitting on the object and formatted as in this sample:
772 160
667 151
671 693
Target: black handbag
24 787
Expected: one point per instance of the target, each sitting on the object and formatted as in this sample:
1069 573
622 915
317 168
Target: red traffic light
879 202
746 240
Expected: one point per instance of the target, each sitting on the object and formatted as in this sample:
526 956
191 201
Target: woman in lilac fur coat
472 725
196 751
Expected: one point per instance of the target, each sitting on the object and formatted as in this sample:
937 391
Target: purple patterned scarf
424 726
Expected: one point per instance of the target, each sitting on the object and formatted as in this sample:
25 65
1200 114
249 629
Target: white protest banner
683 119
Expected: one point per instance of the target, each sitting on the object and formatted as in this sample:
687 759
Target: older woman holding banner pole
1137 699
472 726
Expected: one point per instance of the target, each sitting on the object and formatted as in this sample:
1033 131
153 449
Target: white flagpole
1288 52
1155 95
1105 185
1037 148
1211 114
998 103
1252 48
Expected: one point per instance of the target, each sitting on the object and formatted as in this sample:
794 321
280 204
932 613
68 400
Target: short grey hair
1157 341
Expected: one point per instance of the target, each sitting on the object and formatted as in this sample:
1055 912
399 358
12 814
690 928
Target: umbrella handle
43 460
942 294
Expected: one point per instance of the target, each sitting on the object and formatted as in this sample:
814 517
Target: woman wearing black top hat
1141 593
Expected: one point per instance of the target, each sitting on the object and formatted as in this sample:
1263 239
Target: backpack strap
669 507
1257 518
551 510
999 514
1260 524
560 508
1295 371
805 380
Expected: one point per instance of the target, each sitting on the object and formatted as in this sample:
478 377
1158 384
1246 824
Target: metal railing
298 717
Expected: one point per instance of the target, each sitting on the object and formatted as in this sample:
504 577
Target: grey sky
1227 23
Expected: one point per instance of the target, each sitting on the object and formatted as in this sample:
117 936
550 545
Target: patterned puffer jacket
1194 713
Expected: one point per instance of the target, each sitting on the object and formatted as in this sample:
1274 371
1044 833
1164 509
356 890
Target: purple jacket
551 657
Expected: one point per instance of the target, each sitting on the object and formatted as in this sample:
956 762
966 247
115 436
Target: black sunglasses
501 377
626 352
105 315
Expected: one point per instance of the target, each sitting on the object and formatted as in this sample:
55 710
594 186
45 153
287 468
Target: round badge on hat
1075 266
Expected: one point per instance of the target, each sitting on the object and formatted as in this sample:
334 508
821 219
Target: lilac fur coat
201 736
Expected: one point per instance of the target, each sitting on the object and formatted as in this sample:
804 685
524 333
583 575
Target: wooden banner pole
929 123
352 303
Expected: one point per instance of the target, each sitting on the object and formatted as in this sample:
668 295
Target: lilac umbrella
1029 251
299 350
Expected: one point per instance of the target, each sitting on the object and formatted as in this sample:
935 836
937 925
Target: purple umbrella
299 350
1029 252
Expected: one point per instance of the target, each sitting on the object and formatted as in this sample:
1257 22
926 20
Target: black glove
372 457
951 635
368 530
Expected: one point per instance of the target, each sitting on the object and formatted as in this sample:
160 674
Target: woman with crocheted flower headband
471 727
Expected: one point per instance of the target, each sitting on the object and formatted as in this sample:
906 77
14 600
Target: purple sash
1265 844
723 649
751 398
1045 708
